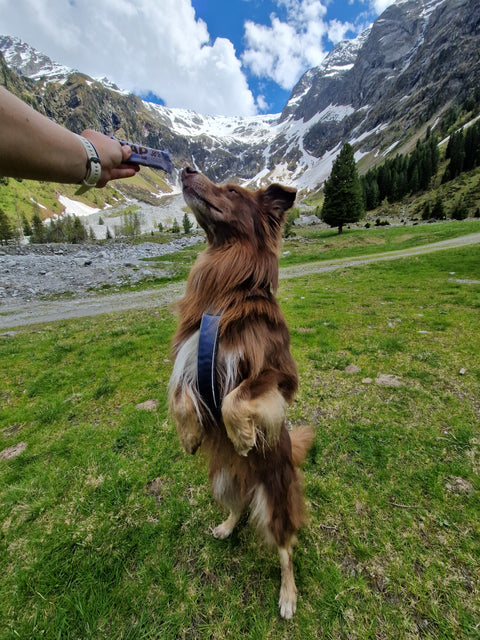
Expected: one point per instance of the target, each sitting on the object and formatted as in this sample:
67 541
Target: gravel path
25 275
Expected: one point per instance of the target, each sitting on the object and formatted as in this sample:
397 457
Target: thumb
126 152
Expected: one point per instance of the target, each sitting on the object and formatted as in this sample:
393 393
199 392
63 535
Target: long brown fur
254 460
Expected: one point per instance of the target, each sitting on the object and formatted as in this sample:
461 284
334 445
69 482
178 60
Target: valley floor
19 311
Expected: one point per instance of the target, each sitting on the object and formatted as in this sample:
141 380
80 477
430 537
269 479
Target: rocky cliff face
325 85
417 57
374 92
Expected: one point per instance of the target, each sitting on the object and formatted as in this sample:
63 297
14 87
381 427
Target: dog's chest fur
185 370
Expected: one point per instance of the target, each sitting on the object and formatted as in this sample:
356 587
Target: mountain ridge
376 92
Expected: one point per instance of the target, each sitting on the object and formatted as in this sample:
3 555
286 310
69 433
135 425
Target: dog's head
228 212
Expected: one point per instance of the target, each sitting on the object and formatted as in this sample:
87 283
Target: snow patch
75 208
38 203
390 148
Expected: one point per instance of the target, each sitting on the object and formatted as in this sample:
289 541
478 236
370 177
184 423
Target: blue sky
350 17
216 57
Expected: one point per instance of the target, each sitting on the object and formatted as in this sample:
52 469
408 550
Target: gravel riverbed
33 272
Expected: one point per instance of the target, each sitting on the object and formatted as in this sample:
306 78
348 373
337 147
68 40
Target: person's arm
33 146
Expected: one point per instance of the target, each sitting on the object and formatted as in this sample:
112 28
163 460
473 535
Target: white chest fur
185 374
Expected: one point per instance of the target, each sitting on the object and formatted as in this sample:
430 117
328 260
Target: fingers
124 171
113 157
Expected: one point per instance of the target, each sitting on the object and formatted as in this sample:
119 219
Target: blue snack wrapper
147 157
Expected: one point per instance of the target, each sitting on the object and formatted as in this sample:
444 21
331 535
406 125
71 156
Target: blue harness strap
206 370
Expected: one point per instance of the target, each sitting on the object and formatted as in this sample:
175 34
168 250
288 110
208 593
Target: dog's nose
187 173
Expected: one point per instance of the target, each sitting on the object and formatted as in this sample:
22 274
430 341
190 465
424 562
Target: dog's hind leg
226 491
285 505
288 591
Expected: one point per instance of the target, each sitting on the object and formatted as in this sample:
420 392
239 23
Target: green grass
311 245
177 264
89 548
18 197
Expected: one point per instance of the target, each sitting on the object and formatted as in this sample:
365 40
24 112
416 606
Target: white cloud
146 45
262 103
283 51
376 6
337 30
379 6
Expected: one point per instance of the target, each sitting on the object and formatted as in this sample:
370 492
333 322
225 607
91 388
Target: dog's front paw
239 423
250 422
191 441
243 435
243 441
190 430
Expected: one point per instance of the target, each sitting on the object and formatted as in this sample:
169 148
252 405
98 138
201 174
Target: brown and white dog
253 459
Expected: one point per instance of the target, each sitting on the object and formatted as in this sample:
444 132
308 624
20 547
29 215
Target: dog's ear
279 199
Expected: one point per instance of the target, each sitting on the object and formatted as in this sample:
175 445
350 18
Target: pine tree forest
406 175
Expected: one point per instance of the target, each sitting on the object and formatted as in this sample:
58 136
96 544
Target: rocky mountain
377 92
419 56
340 60
28 62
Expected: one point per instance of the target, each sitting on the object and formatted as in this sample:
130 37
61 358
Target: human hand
113 157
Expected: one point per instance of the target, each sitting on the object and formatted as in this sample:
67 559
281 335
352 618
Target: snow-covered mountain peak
29 62
375 92
243 129
343 55
337 62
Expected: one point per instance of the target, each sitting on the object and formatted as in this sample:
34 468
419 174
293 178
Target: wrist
93 169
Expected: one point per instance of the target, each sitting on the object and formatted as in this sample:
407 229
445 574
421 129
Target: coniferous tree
343 193
186 223
26 226
414 178
456 153
78 231
438 211
434 154
472 147
402 175
6 232
38 229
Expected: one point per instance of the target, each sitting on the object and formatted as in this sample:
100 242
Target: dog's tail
302 439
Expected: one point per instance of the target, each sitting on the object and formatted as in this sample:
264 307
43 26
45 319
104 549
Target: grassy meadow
105 522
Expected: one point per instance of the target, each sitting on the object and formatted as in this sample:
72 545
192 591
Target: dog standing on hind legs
240 423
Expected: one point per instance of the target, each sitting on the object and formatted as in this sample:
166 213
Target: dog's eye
232 191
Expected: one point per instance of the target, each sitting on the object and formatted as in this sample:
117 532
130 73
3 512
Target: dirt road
18 314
